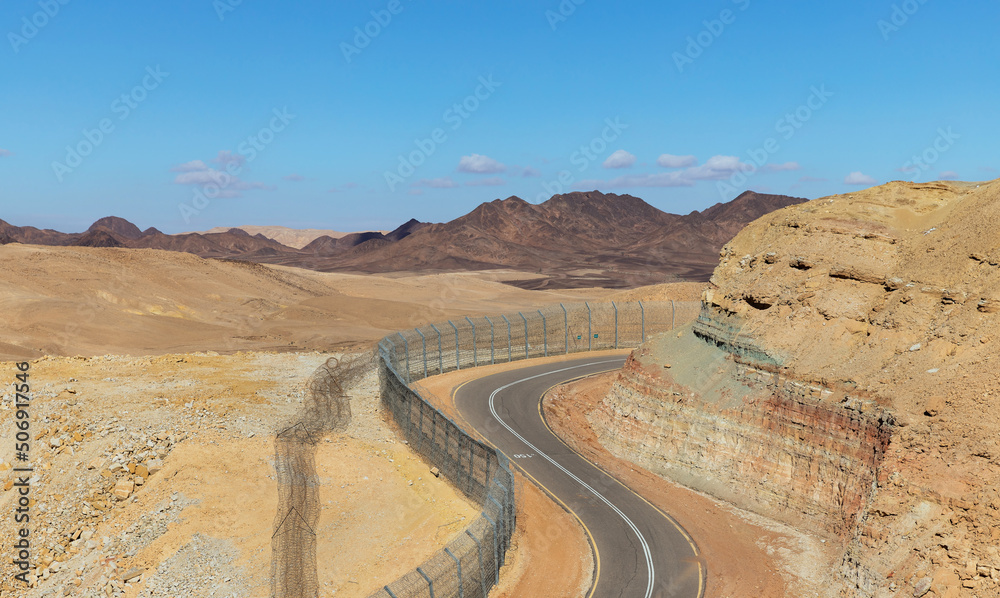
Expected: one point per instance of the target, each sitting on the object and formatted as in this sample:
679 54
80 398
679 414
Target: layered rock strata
842 378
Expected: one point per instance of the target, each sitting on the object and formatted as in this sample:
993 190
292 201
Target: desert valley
565 299
830 397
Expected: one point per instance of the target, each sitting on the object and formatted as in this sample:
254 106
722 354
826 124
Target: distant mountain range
293 237
571 240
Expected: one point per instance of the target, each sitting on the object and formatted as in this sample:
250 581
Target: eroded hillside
842 378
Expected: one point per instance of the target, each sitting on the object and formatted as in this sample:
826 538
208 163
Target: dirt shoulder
747 555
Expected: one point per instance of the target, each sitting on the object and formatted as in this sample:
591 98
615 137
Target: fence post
502 544
545 334
434 428
472 463
673 314
440 353
458 563
423 341
420 424
590 328
447 444
492 354
565 326
475 355
525 334
458 363
389 592
496 548
406 347
430 584
509 350
643 311
394 360
616 323
482 570
509 504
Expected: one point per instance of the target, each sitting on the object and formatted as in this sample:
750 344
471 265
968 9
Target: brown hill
98 238
406 229
571 240
291 237
576 239
35 236
119 227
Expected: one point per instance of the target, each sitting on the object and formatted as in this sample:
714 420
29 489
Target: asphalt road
639 551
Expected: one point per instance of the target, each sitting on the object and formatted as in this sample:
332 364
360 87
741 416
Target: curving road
639 551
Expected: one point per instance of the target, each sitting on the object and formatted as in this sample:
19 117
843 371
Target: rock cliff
842 378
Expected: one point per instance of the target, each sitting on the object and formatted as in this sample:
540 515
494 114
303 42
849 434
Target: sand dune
89 301
292 237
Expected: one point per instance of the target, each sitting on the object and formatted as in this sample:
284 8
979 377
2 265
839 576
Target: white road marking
642 540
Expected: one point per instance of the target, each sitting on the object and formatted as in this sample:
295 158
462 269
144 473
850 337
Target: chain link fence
469 566
565 328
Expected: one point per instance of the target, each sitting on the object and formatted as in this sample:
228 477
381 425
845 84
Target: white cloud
344 187
620 159
295 178
226 157
787 166
531 172
859 178
671 161
440 183
477 164
661 179
4 153
192 166
196 172
948 175
716 168
493 181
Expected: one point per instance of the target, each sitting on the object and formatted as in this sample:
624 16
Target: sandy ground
90 301
205 519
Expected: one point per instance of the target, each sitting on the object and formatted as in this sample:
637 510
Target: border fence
469 566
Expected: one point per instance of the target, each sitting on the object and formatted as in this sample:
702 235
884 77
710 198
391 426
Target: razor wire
327 409
469 566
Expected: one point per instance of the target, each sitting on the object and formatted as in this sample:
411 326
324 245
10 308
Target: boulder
123 489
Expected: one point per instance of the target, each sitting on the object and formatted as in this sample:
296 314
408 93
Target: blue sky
193 114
